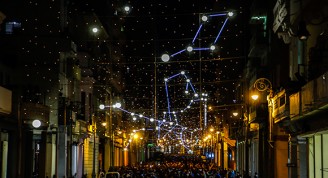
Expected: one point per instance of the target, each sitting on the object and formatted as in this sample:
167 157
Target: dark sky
153 28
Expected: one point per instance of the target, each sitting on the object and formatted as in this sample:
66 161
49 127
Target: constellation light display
188 87
168 127
190 48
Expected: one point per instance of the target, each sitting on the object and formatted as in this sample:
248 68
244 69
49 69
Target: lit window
11 27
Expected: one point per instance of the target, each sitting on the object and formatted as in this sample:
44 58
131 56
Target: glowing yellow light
255 97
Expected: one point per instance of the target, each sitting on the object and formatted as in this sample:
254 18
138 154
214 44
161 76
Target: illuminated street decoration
169 126
190 48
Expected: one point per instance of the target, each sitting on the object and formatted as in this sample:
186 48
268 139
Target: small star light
212 47
134 118
182 72
140 115
230 14
165 57
188 80
189 48
151 119
186 92
165 79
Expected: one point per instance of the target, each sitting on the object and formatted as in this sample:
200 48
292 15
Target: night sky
138 39
152 28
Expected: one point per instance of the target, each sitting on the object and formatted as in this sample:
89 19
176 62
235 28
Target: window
12 26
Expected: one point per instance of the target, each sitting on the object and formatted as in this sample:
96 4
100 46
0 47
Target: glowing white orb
182 72
94 30
134 118
189 48
101 106
117 105
204 18
165 57
230 14
188 80
126 8
151 119
36 123
212 47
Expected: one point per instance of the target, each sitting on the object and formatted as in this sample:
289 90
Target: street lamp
255 97
94 148
264 84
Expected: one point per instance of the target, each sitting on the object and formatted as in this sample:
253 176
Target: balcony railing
312 97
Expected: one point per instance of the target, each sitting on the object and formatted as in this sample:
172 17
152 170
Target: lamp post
217 144
212 147
264 85
94 147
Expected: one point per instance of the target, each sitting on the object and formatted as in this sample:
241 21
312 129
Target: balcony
312 101
5 101
280 110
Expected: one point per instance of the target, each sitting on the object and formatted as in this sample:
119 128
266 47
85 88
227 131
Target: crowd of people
176 168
